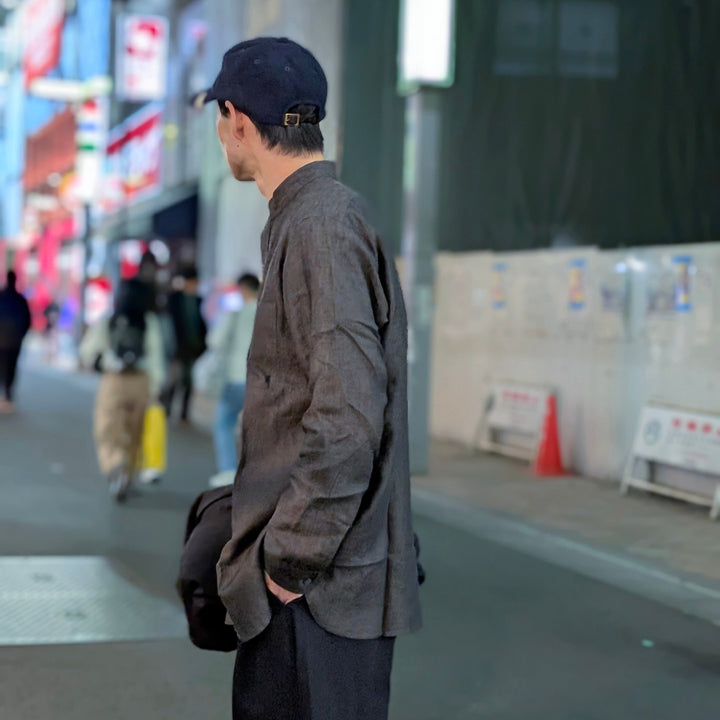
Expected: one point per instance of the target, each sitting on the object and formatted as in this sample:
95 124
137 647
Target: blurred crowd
154 350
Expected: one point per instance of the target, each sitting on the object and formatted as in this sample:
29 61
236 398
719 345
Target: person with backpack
184 306
129 344
14 325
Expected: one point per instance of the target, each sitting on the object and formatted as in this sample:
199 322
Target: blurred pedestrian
231 338
320 574
129 343
15 321
51 313
184 306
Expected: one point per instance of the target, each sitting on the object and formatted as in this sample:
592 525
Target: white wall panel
607 330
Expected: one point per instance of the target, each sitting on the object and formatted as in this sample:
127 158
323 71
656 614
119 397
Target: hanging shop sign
142 58
134 159
42 24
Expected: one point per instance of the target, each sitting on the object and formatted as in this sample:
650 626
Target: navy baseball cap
266 78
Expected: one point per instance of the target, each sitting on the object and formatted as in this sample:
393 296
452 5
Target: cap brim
199 100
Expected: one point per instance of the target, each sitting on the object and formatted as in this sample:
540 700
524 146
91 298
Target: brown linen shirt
321 500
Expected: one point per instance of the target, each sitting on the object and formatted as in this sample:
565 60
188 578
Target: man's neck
279 168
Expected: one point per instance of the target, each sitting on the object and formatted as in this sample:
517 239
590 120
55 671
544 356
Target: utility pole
426 63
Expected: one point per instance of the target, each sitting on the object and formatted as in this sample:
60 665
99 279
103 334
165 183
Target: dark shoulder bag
208 530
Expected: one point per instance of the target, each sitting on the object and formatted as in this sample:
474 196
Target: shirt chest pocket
263 348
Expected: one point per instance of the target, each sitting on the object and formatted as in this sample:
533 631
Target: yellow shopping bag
154 443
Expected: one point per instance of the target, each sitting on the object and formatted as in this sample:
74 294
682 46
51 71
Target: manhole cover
58 600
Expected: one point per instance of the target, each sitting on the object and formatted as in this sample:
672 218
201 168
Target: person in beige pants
124 392
118 422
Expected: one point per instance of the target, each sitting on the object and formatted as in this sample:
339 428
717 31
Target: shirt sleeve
334 307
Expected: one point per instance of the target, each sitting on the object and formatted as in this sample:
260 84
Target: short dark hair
305 138
249 281
11 278
189 273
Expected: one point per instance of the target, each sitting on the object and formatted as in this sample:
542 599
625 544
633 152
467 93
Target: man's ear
240 123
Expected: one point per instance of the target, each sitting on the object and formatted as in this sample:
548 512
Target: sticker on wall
683 270
613 288
576 299
499 290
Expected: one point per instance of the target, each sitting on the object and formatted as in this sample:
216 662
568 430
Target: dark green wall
373 114
540 157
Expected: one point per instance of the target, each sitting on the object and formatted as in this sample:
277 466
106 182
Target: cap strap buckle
291 119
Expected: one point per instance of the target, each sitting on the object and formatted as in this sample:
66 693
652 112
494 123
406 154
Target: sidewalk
669 535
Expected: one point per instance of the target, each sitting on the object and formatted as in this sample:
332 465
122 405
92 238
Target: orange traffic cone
549 460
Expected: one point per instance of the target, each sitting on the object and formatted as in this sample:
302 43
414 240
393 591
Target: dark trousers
295 670
8 368
180 380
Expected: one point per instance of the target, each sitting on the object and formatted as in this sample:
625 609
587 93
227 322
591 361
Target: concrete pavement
512 629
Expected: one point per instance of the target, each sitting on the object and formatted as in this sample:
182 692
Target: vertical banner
141 58
134 159
42 24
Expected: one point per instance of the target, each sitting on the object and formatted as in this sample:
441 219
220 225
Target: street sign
513 422
141 58
678 438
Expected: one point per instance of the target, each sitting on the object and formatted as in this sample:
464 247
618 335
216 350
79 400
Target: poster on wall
611 320
683 271
499 286
576 299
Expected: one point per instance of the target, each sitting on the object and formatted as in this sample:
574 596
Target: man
14 324
190 331
231 339
320 574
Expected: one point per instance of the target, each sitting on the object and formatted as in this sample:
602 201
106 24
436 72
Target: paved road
507 636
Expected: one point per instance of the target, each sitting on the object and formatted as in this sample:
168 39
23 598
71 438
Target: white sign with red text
518 408
134 159
680 438
142 56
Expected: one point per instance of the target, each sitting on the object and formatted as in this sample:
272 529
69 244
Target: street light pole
426 64
86 240
420 230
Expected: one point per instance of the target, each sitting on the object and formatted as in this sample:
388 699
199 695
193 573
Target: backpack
127 339
207 531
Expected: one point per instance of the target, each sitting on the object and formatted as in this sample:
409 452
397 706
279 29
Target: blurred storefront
150 193
50 258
